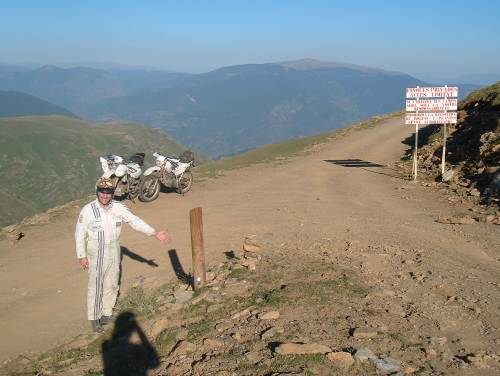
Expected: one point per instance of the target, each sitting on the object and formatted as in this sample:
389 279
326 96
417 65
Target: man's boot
96 326
108 319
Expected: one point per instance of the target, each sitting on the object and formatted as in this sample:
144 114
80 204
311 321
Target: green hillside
49 160
14 103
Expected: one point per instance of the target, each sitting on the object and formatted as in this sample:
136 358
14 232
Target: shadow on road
124 251
128 352
134 256
353 163
178 269
359 163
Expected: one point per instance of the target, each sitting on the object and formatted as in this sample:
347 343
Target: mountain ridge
229 109
16 103
235 108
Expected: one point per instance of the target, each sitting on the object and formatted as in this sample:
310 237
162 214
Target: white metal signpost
431 111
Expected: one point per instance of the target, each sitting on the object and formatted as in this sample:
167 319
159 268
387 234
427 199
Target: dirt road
345 191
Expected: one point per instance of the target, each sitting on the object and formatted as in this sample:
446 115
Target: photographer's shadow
128 352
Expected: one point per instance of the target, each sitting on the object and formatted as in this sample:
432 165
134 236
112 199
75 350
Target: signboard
430 92
431 111
431 118
432 104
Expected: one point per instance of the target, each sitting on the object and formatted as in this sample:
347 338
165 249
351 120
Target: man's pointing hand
163 236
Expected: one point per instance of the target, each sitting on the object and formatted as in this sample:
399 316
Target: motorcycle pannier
138 158
121 170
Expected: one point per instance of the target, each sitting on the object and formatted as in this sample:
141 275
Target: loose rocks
364 354
250 246
386 365
271 332
182 296
466 220
364 333
270 315
340 359
302 348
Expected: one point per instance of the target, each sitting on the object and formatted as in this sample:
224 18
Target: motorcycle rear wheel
185 183
149 188
133 189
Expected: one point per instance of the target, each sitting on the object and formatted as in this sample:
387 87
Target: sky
425 38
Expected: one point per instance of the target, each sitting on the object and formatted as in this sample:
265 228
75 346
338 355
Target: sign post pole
443 157
415 159
415 154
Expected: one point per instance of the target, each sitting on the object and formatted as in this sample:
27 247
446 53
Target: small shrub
166 339
199 329
138 302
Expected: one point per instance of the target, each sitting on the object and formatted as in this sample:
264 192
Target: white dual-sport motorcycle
125 173
174 173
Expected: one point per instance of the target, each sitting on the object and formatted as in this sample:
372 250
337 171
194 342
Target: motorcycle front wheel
185 183
149 188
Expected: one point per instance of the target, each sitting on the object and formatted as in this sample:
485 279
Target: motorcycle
167 172
125 173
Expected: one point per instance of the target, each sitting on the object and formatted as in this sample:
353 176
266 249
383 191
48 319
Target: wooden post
199 272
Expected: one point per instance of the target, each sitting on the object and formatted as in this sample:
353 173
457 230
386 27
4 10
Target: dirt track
338 192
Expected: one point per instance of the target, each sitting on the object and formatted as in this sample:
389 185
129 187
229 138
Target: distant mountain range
237 108
49 160
78 88
477 80
13 103
227 110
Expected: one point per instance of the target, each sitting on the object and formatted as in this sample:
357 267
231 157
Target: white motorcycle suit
97 232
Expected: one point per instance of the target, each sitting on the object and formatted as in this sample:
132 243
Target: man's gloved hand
163 236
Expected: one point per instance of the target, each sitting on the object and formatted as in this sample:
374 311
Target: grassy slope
487 94
49 160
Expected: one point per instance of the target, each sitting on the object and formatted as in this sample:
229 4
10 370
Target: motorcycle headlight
158 163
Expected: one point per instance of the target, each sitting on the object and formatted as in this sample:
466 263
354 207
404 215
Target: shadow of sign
128 352
363 165
353 163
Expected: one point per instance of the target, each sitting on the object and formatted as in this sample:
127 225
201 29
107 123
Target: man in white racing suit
97 232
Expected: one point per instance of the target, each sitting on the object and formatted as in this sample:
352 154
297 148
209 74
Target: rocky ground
358 309
349 269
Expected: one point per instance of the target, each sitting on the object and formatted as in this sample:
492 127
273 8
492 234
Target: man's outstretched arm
139 225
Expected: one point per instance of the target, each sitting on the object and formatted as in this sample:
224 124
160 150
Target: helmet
105 185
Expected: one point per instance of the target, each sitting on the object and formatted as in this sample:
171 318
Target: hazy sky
441 38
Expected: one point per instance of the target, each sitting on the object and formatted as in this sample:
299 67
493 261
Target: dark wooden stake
199 276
